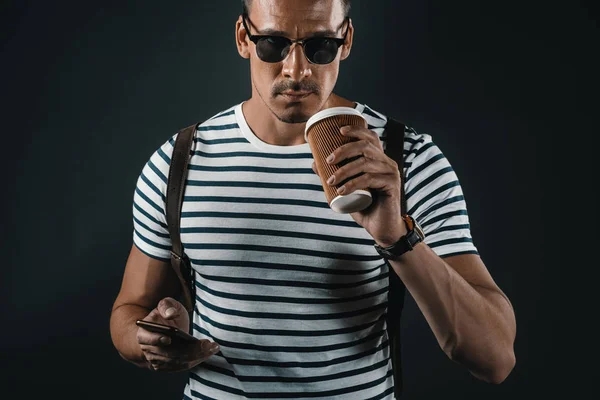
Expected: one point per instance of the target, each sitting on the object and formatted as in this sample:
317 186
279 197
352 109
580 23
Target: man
291 296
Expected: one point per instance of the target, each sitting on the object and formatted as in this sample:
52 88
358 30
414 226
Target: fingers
356 149
204 350
153 353
360 147
181 351
145 337
363 158
179 357
159 362
167 312
208 348
365 181
357 167
361 133
170 308
371 170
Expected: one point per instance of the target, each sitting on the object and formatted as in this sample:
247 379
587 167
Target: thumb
169 308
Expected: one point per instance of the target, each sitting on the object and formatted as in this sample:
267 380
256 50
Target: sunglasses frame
256 38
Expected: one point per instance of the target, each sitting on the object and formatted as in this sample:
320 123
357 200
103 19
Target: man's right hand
172 355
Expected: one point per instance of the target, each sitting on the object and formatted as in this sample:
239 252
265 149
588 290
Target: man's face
294 89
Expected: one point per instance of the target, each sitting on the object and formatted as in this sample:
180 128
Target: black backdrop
91 89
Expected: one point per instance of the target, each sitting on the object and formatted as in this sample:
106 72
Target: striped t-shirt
294 293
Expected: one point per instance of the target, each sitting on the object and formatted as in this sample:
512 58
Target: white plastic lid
355 201
328 112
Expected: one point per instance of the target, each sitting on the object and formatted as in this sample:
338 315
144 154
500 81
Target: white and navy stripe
294 293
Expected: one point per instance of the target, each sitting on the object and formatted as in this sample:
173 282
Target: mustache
302 86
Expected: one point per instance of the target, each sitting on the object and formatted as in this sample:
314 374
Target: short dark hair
246 6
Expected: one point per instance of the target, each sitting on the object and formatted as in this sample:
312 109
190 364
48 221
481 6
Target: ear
348 43
241 39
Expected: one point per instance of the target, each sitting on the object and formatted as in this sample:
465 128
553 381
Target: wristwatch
406 243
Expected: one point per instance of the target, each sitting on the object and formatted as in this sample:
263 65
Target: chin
293 117
296 112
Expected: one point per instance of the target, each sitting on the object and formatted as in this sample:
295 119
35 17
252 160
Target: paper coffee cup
322 133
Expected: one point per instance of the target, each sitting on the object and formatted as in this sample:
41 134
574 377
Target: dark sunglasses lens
321 50
272 49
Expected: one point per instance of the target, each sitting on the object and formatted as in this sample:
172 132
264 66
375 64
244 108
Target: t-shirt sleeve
150 232
435 198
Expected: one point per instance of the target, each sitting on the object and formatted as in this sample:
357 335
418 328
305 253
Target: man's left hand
382 219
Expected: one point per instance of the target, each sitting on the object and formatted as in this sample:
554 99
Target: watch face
412 224
419 231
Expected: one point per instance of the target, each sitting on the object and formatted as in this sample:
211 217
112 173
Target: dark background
91 89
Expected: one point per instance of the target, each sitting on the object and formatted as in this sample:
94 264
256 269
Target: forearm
123 332
473 325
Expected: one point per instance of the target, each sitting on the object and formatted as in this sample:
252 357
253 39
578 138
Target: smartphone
166 330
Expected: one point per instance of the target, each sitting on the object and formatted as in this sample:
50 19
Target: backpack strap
175 189
394 138
394 148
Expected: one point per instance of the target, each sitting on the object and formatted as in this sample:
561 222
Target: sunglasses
318 50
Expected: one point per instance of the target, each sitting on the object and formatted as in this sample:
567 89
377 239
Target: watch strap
406 243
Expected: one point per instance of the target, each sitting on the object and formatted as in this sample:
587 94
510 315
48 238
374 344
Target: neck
268 128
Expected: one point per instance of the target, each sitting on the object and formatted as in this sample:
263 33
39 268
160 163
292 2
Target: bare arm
471 318
145 282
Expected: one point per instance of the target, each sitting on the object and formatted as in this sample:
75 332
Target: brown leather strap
174 201
394 148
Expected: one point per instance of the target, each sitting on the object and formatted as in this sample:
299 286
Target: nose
295 66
